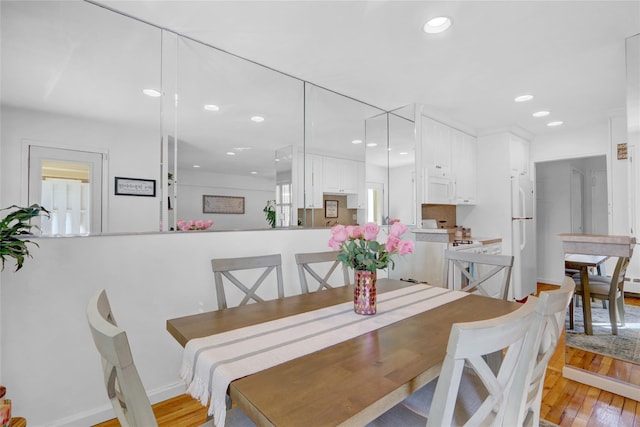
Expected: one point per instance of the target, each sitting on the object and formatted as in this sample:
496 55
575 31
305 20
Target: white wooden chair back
124 388
523 407
224 267
493 265
304 262
468 343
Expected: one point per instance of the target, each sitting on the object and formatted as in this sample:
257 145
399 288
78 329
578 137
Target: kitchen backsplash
445 215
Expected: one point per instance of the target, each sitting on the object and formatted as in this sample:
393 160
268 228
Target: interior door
577 217
68 183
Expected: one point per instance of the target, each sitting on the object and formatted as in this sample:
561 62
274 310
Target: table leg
586 301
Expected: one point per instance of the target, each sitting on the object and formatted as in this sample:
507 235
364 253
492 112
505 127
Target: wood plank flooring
564 402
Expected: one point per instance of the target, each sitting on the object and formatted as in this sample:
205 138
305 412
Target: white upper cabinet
340 175
449 157
436 147
359 200
464 167
519 155
310 191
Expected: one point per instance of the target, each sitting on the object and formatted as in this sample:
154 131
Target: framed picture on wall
222 204
331 209
135 187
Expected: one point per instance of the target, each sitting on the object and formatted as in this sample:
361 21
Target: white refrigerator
523 279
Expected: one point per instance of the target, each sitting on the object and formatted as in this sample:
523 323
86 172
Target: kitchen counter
447 235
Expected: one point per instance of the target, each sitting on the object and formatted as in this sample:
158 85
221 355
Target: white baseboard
609 384
105 412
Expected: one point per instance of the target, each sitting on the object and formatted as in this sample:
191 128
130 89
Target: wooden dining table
350 383
582 262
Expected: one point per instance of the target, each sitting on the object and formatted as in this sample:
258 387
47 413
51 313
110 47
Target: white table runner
210 364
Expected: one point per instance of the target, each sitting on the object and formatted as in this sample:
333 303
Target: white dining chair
475 270
124 387
329 259
523 405
468 392
223 267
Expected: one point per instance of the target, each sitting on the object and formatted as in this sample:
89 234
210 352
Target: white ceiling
568 54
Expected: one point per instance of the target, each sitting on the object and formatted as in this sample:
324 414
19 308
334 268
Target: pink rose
334 245
370 231
354 232
392 244
180 223
184 227
405 246
397 229
200 224
208 224
339 233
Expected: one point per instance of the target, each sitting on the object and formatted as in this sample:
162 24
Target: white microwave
438 189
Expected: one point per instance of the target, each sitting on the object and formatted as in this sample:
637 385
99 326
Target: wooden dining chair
523 406
304 262
467 391
225 267
610 289
124 387
477 269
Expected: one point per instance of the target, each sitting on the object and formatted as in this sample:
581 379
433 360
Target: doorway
68 183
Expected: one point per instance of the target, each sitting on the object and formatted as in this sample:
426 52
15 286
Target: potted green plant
12 227
270 212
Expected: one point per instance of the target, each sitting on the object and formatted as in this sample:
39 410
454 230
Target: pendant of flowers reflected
360 249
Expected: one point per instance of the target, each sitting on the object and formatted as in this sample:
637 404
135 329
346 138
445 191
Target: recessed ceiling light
254 173
277 159
556 123
356 141
540 114
403 153
211 107
371 144
257 119
196 166
230 153
523 98
151 92
437 25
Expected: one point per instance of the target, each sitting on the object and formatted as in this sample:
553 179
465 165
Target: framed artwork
223 204
135 187
331 209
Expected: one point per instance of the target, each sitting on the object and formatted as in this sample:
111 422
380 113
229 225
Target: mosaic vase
364 294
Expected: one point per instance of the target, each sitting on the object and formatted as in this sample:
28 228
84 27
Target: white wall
149 278
132 153
256 192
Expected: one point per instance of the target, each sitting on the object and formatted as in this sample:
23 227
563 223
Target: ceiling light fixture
211 107
196 166
356 141
523 98
257 119
254 173
540 114
151 92
403 153
230 153
372 144
437 25
556 123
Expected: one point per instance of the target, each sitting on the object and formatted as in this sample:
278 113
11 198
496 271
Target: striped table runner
210 364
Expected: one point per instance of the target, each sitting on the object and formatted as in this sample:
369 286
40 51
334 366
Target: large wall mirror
73 76
118 126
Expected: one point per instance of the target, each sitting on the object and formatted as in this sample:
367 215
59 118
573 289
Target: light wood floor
564 402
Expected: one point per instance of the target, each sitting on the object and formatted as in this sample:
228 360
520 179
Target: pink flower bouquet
193 225
360 250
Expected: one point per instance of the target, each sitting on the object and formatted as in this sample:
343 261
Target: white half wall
149 278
